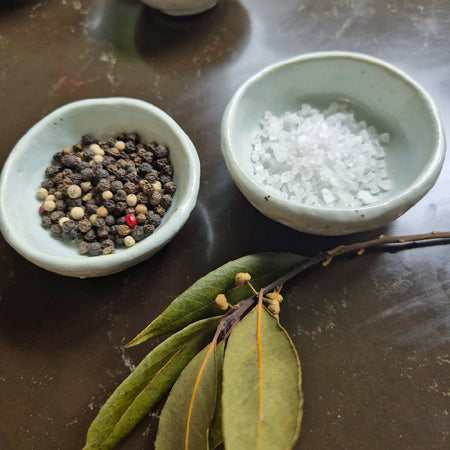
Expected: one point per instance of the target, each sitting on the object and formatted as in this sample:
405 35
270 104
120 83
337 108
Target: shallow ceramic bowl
102 118
378 93
181 7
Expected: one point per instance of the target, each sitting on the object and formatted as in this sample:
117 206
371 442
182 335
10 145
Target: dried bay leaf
262 398
188 411
197 302
215 430
145 386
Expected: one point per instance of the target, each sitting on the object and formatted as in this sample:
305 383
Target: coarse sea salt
321 158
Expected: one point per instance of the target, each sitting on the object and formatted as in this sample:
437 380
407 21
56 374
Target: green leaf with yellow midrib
262 398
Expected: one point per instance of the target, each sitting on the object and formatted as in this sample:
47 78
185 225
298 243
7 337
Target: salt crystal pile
321 158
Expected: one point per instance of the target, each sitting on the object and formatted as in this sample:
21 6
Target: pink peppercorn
41 209
130 220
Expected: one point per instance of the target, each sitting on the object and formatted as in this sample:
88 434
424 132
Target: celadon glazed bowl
181 7
102 118
379 94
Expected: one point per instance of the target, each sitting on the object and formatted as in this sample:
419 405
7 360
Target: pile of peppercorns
109 193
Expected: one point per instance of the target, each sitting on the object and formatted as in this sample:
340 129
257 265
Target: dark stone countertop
372 332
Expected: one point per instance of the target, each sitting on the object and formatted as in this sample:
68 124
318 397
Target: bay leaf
197 302
188 411
262 399
215 430
146 385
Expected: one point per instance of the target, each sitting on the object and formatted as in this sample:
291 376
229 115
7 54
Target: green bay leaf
146 385
262 398
188 411
215 430
197 302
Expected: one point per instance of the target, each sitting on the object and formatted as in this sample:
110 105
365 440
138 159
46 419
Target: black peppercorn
168 170
91 208
161 152
130 147
160 210
148 229
132 137
51 171
67 226
120 209
138 233
120 196
102 232
87 174
57 157
84 225
141 219
74 234
144 168
47 184
152 176
169 187
116 186
95 248
89 236
142 198
46 222
110 220
56 230
155 198
71 161
100 222
155 219
60 205
161 162
103 184
166 201
101 173
87 140
83 248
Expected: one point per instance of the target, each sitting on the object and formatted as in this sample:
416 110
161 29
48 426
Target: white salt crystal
386 185
321 157
365 197
327 196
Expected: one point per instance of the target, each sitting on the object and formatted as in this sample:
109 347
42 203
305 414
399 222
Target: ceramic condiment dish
102 118
181 7
379 94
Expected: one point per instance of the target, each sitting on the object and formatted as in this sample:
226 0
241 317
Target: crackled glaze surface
372 332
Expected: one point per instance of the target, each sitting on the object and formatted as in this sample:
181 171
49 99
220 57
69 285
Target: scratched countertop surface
372 332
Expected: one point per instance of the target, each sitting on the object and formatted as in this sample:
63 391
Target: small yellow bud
274 297
242 278
274 308
221 302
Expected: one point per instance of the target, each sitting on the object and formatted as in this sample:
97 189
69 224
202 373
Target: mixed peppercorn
108 193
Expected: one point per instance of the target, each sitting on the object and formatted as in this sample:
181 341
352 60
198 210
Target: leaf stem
326 257
233 316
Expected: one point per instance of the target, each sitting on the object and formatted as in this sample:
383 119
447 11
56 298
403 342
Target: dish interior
374 93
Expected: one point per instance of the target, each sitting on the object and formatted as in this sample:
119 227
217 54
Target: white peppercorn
120 145
129 241
42 194
74 191
107 195
131 200
49 205
77 213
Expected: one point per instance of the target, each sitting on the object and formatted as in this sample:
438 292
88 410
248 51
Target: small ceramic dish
379 94
181 7
102 118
